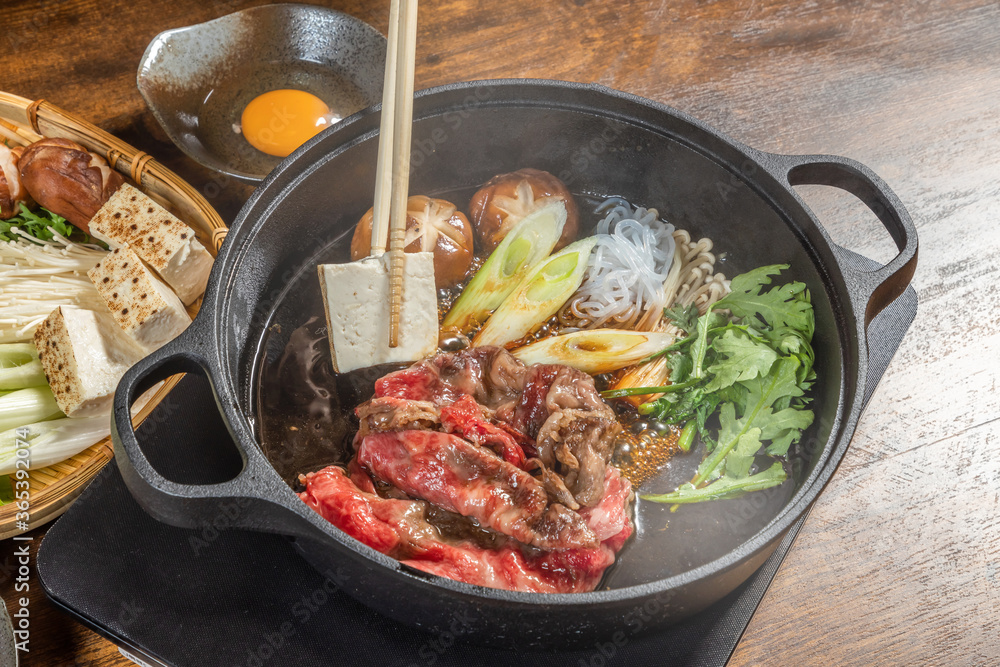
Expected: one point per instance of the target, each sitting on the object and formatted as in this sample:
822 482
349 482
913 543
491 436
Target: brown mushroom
12 191
508 198
67 179
432 225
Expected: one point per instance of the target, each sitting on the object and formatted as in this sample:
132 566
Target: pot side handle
879 287
245 501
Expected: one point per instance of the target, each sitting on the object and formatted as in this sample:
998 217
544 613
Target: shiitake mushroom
12 191
67 179
432 225
508 198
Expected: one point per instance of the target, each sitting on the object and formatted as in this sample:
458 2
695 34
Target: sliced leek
597 350
19 367
539 296
50 442
526 244
27 406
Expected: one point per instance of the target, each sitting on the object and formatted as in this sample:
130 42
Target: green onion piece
27 406
6 490
540 295
596 350
525 245
50 442
642 391
19 367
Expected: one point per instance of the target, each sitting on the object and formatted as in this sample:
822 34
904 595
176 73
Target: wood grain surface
899 561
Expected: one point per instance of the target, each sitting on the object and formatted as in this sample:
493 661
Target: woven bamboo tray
23 121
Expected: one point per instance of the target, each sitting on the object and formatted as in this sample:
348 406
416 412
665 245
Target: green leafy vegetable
723 488
39 224
683 317
751 371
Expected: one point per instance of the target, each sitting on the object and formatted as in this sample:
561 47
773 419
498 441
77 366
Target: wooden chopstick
401 135
383 173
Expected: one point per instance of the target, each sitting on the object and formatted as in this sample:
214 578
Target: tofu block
144 307
165 243
356 296
84 354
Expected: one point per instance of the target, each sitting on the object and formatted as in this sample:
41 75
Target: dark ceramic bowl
197 80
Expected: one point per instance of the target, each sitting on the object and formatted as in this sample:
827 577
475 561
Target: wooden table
899 561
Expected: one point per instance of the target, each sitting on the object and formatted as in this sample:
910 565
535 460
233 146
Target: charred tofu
84 354
160 239
144 307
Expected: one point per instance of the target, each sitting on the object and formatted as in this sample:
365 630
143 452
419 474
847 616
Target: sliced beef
557 571
491 375
609 518
399 529
460 477
360 476
465 417
386 525
550 412
391 414
574 428
562 571
582 443
553 484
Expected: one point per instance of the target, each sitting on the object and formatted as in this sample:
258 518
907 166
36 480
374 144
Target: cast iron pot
601 143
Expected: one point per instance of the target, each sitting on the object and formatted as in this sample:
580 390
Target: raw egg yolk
280 121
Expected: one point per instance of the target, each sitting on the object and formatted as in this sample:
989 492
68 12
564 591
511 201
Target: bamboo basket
23 121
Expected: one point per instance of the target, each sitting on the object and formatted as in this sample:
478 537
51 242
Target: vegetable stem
723 488
686 438
719 453
639 391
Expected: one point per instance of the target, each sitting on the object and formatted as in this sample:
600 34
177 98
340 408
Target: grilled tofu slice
84 354
165 243
144 307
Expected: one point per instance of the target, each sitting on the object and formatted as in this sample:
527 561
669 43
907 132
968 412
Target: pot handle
879 287
244 501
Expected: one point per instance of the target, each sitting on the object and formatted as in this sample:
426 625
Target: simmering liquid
305 422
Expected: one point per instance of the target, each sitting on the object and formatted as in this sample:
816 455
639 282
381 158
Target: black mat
181 597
